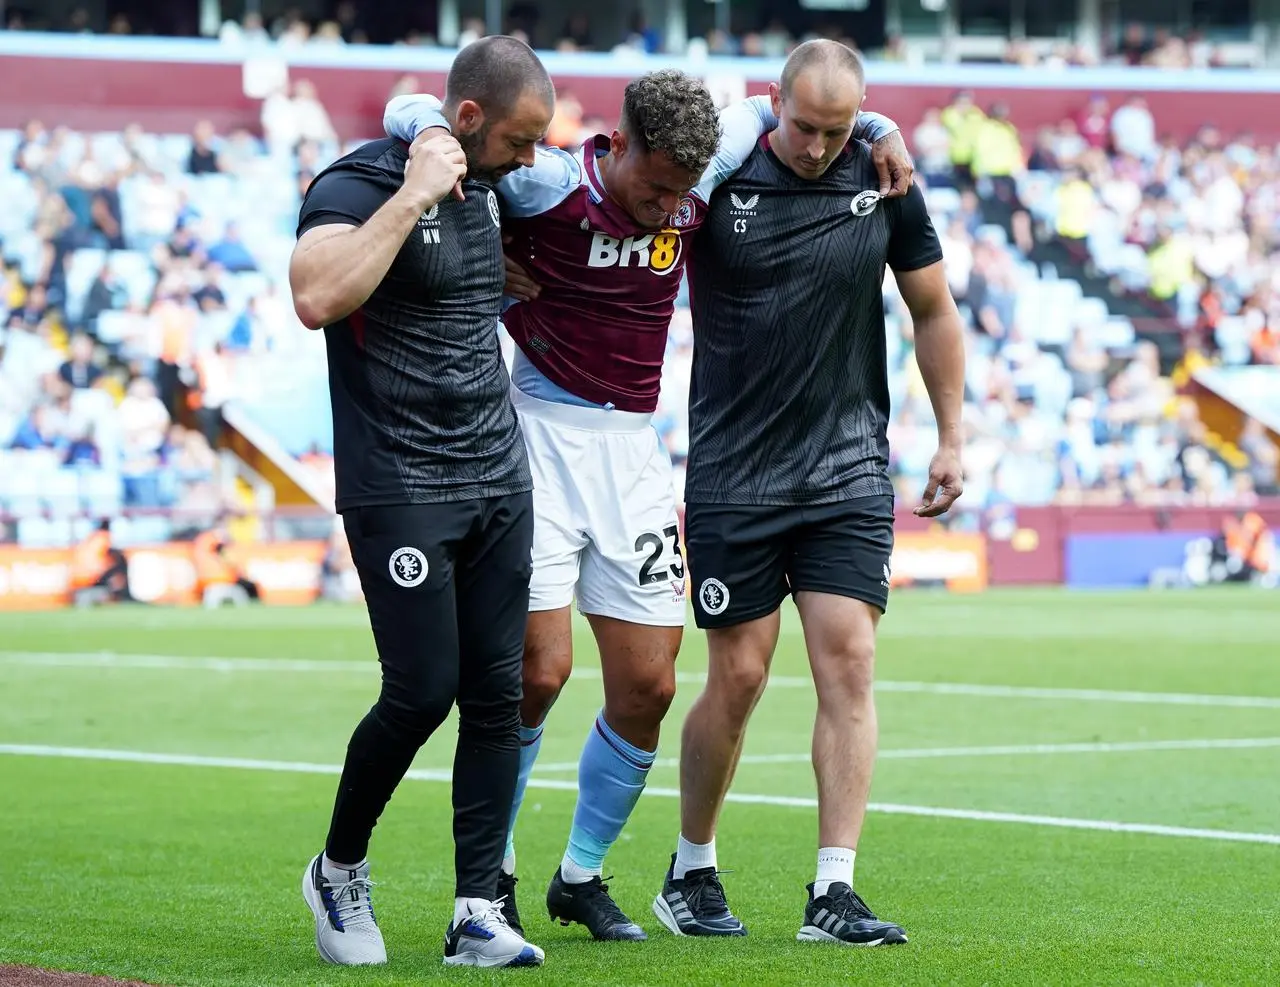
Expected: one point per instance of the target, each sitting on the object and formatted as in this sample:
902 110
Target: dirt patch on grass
29 976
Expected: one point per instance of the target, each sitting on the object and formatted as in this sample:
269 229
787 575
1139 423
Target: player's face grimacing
814 120
648 185
495 148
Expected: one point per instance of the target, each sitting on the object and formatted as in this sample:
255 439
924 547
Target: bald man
787 488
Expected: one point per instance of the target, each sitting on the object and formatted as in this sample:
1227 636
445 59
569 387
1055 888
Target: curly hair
673 113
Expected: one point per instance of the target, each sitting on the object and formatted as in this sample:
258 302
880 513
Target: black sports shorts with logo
745 559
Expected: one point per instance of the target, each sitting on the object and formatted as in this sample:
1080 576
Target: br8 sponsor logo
657 251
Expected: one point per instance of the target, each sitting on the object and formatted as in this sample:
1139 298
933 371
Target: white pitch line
112 659
972 815
1008 750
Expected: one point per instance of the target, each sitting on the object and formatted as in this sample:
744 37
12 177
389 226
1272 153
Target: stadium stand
145 304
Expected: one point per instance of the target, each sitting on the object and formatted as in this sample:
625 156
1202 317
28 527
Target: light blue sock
530 744
611 776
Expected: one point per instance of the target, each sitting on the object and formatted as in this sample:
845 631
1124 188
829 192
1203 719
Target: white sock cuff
835 866
693 856
574 873
462 907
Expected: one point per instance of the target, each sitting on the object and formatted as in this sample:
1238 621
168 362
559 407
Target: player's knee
648 696
846 674
544 677
741 683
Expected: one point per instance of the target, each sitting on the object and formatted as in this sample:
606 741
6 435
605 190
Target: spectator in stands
79 370
209 296
1044 155
1134 46
1263 455
36 431
204 158
311 117
1094 122
231 253
191 466
1086 361
932 143
992 293
35 306
82 450
1076 205
963 120
156 211
1133 130
1172 264
997 147
144 424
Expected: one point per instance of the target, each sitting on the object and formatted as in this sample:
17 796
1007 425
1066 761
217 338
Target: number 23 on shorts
653 543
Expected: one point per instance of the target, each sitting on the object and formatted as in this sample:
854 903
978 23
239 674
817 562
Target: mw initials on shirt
657 251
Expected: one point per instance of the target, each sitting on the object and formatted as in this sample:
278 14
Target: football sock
611 776
835 865
530 744
462 907
693 856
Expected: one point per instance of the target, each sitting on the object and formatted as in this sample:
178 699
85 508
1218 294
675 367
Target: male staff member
787 479
403 269
605 235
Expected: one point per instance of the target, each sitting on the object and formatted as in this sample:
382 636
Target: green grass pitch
177 861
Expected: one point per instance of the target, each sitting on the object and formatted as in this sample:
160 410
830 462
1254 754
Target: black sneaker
695 905
589 904
841 916
507 895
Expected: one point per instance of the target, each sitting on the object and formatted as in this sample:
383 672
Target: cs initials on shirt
658 252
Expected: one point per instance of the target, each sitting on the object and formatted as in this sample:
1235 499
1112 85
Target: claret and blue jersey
596 334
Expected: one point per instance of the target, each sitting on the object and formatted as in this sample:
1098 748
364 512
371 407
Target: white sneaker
485 939
347 932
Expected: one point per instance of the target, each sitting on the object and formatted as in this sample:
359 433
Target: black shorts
744 560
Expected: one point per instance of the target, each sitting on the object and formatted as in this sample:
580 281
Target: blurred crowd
143 300
349 22
140 291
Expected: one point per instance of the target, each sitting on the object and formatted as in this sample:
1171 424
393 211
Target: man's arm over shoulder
405 117
743 123
551 178
525 191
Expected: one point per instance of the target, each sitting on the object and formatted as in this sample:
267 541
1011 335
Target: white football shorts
605 528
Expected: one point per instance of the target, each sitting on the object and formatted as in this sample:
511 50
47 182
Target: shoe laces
850 907
705 894
607 906
490 917
352 905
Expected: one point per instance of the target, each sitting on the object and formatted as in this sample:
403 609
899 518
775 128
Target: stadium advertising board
287 573
945 558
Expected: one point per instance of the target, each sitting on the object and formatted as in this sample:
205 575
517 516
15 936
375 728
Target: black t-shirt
421 396
789 401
